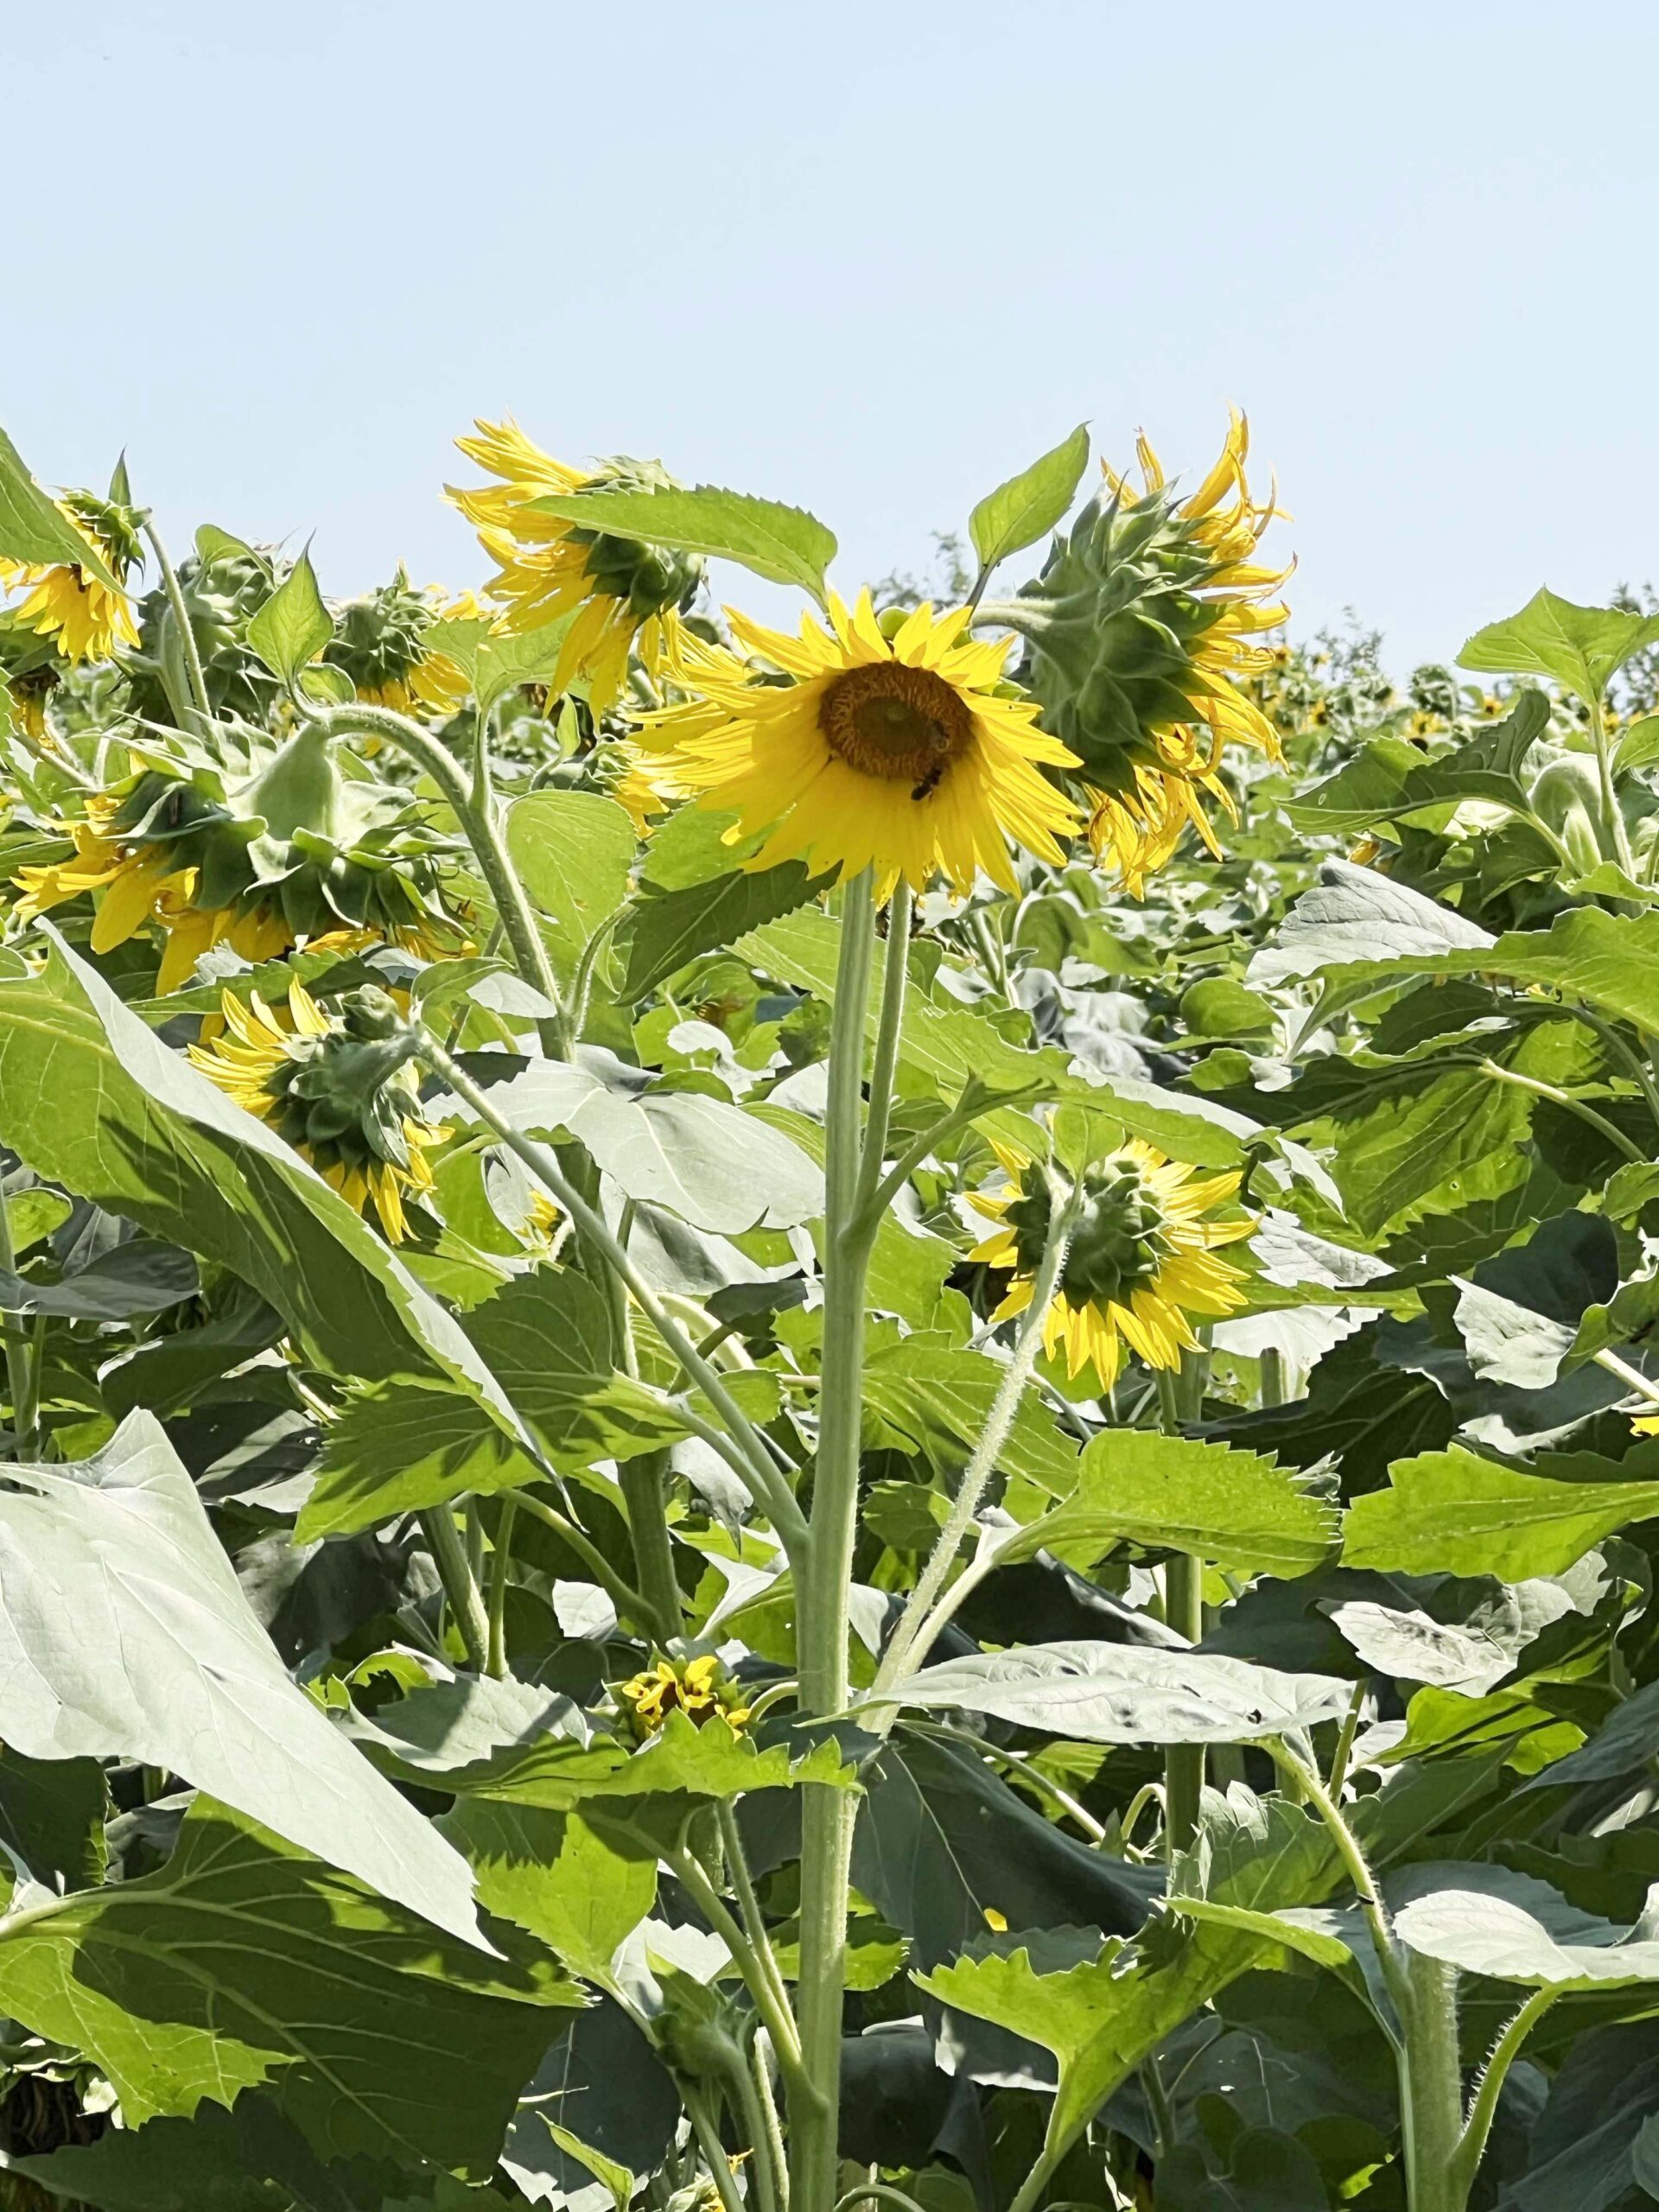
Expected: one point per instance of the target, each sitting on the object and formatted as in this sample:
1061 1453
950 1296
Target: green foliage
609 1622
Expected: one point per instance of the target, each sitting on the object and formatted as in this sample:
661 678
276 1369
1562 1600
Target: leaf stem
500 1582
779 2023
765 1484
180 615
460 1585
1180 1400
916 1633
631 1604
1482 2106
1390 1951
1586 1112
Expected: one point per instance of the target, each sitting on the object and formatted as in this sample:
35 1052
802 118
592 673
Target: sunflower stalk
194 673
461 1590
1180 1401
827 1814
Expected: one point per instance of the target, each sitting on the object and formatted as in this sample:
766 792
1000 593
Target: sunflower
624 595
642 788
138 886
1140 1260
900 754
692 1686
84 619
339 1091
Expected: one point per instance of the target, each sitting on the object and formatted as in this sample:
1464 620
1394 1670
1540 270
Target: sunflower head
696 1687
376 640
622 594
1140 1261
338 1087
83 617
223 584
898 749
1140 636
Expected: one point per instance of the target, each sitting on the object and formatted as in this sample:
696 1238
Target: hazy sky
869 257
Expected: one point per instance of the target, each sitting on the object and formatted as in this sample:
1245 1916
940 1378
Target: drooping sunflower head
340 1088
64 601
376 641
1140 1263
288 851
623 593
892 745
1143 633
30 670
696 1687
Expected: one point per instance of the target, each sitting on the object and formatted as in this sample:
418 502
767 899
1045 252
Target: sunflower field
859 1410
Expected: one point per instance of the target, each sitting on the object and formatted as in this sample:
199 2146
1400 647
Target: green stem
754 2126
1632 1377
1273 1375
1180 1399
642 1480
1391 1952
827 1814
895 973
1431 2086
1586 1112
20 1380
714 2151
779 2025
459 1587
765 1484
630 1603
187 645
1613 814
771 2124
500 1581
916 1633
748 1904
479 817
1483 2107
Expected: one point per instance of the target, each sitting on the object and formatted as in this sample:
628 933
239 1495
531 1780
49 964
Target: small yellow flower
1140 1260
692 1686
901 754
623 595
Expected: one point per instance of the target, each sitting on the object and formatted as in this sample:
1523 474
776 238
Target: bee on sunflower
892 743
1142 632
1140 1263
339 1088
624 596
693 1687
68 603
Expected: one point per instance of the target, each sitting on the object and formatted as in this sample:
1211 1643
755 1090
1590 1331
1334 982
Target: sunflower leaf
1453 1513
293 626
1580 646
34 528
784 545
1017 513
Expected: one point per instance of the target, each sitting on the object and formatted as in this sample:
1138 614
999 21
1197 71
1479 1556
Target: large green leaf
548 1338
34 528
704 1159
714 1761
950 1046
1232 1508
93 1100
1510 1927
1128 1693
666 929
1390 780
123 1631
1453 1513
1579 646
574 850
601 2105
293 626
580 1892
934 1401
784 544
241 1963
1018 512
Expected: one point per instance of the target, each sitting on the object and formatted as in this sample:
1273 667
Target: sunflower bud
376 641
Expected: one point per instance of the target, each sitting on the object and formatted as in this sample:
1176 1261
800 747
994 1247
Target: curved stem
1483 2107
780 2026
915 1635
500 1581
460 1585
1557 1096
181 614
630 1603
766 1486
1390 1950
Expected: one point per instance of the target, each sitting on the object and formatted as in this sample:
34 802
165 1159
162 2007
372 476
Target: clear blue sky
871 257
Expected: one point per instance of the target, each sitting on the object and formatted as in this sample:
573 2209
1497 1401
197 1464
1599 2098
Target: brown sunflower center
904 724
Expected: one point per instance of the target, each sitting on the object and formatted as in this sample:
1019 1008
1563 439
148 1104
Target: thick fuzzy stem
1431 2087
827 1814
